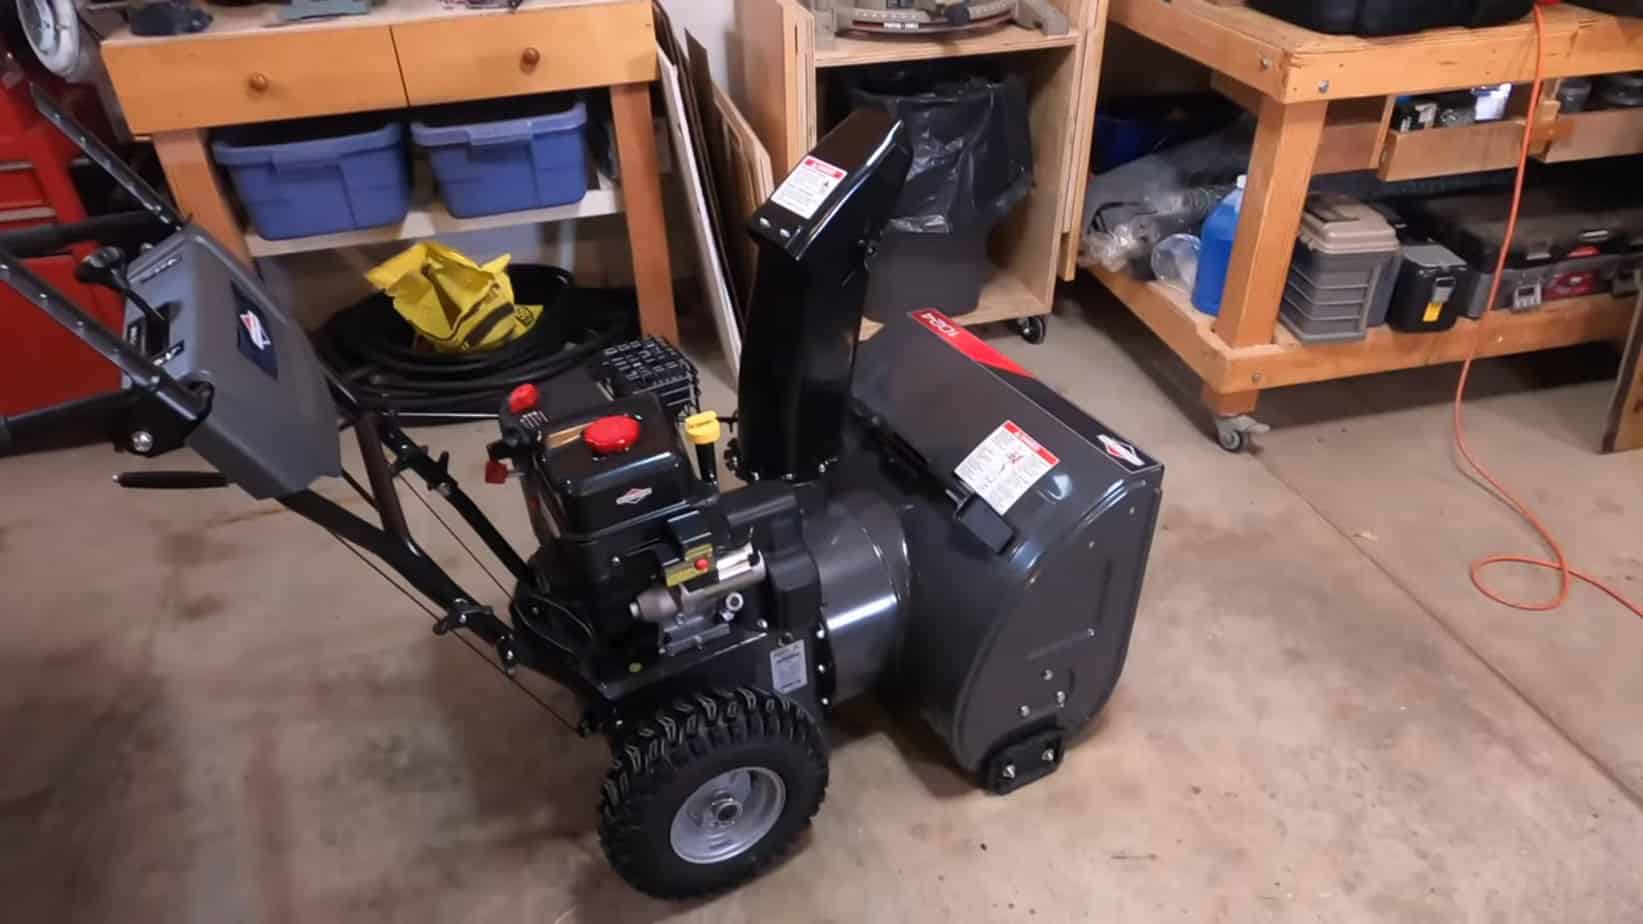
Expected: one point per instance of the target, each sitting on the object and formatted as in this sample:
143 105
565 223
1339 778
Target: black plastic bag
972 146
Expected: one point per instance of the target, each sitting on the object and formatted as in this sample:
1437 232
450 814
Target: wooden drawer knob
258 83
529 59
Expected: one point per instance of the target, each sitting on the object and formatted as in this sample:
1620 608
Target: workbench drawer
491 54
232 79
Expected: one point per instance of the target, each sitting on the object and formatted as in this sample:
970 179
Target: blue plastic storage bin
318 176
503 157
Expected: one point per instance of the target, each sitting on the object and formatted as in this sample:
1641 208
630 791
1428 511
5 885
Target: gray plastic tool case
1343 271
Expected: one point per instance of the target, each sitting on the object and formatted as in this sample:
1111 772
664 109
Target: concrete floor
212 713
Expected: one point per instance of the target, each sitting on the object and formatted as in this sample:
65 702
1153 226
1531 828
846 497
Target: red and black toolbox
40 363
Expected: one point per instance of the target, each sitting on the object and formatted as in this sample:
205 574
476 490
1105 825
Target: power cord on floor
1560 561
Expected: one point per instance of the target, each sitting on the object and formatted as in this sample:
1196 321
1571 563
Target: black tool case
1570 241
1430 277
1617 7
1394 17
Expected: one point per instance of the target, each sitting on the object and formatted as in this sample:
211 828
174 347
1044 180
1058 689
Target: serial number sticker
1005 465
787 668
808 186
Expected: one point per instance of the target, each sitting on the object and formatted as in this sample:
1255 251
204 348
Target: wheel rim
727 815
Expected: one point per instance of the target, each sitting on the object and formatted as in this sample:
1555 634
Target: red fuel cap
522 399
609 435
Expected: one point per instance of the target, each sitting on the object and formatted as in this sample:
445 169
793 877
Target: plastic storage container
1215 251
1425 297
1392 17
506 156
317 176
1343 271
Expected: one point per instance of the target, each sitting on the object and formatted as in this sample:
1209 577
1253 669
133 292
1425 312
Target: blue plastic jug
1215 253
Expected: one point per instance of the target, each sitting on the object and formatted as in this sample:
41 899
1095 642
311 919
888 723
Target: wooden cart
1324 105
784 73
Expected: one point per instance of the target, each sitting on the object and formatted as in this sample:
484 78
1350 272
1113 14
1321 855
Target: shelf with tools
788 71
1324 104
1169 313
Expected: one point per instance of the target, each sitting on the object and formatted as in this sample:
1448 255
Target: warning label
808 186
787 669
1005 465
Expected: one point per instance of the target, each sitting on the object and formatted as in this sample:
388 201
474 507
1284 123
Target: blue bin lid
481 125
304 141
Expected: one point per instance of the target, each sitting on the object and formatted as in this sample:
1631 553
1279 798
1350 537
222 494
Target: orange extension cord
1561 563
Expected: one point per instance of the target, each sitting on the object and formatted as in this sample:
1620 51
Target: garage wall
711 21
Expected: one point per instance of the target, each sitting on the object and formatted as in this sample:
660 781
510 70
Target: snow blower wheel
710 790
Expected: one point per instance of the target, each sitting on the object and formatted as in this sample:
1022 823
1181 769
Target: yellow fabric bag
456 305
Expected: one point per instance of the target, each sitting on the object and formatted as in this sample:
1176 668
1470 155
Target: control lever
106 267
171 481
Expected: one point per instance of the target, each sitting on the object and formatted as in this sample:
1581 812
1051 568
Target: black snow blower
919 513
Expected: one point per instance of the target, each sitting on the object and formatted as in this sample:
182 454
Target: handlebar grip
45 240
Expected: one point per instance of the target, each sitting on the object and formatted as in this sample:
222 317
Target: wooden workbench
1324 104
245 68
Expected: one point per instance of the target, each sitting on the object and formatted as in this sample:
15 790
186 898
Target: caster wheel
1236 434
1033 329
709 791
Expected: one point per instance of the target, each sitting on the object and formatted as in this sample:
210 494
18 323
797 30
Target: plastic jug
1215 252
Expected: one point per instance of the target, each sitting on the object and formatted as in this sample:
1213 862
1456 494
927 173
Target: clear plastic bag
1129 209
1125 233
1175 261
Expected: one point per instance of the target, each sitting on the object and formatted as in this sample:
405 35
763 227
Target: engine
646 569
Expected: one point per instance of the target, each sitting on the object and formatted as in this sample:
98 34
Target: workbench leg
642 200
1280 167
1230 404
198 189
1624 429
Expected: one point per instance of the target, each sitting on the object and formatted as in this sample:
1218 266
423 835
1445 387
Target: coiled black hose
375 350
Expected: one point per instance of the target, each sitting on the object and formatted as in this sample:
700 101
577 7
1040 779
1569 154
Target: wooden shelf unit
428 217
782 77
1287 361
851 50
1324 104
242 70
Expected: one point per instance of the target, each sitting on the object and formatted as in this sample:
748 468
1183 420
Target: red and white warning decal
808 186
965 342
1005 465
